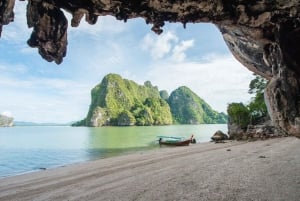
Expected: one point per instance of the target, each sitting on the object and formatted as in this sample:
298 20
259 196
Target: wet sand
261 170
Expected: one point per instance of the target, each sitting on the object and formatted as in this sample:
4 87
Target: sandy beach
261 170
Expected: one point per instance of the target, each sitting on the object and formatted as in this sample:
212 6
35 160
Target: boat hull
175 143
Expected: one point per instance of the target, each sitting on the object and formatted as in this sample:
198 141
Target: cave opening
196 57
262 36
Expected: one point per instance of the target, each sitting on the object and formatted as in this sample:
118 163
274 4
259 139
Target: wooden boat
174 141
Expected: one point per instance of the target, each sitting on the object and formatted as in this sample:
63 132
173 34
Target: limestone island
121 102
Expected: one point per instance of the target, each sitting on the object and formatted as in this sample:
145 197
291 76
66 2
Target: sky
34 90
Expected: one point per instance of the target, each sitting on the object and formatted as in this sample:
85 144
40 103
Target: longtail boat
174 141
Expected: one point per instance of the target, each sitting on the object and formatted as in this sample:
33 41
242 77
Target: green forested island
121 102
188 108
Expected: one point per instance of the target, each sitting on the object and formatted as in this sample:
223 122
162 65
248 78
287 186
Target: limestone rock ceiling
264 35
247 27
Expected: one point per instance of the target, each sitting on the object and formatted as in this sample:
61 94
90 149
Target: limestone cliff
262 34
6 121
188 108
121 102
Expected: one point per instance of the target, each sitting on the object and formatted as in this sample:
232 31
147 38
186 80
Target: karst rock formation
264 35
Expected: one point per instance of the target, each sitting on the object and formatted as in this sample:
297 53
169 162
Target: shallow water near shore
33 148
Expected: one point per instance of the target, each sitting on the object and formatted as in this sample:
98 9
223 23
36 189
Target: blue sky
34 90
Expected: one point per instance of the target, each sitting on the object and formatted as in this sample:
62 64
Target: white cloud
7 113
219 81
166 46
44 99
179 50
158 46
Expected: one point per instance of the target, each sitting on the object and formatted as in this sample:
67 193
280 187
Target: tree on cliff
257 107
253 113
239 114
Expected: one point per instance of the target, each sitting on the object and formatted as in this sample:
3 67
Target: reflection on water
24 149
110 141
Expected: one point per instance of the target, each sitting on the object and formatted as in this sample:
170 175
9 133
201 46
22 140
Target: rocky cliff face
6 121
263 35
188 108
121 102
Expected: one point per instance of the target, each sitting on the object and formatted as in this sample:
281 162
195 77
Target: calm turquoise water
25 149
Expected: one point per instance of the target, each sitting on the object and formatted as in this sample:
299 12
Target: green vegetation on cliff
121 102
239 114
188 108
253 113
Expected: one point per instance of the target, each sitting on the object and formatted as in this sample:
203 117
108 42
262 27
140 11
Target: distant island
24 123
6 121
121 102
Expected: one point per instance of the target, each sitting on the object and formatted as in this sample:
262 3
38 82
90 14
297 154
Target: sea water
32 148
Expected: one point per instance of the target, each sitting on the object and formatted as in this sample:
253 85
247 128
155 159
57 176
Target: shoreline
236 170
142 151
25 149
